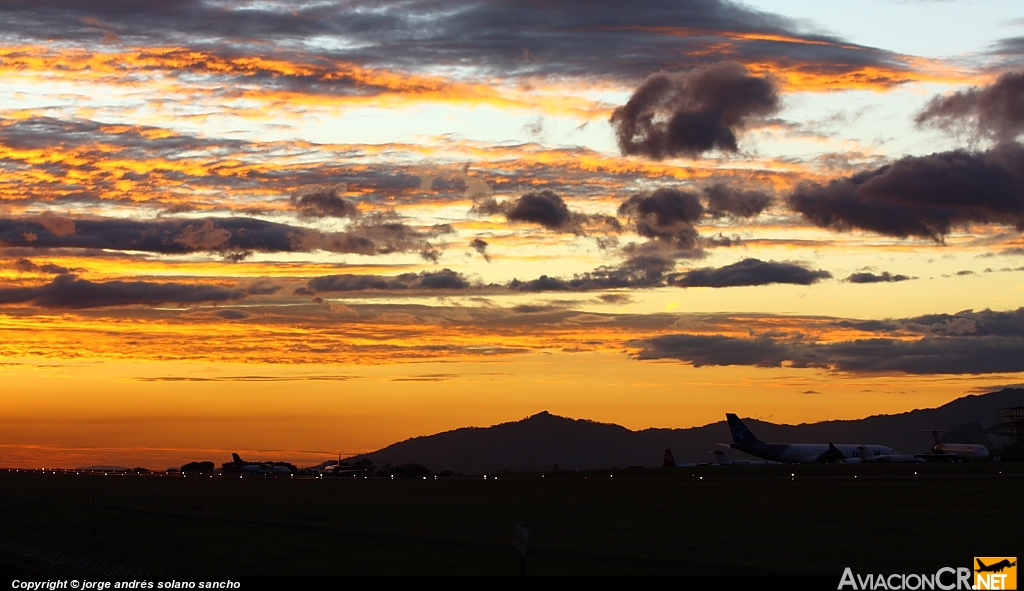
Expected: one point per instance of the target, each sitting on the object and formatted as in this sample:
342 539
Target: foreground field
707 520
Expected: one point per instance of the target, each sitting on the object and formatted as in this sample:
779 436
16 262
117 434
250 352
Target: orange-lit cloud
289 83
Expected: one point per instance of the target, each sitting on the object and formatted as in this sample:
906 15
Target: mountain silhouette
543 440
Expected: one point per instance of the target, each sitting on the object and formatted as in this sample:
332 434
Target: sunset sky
293 229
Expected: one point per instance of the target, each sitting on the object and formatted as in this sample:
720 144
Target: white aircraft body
724 460
884 459
809 453
954 451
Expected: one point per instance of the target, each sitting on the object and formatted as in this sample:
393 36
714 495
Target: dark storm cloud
749 272
687 114
963 343
666 214
317 201
724 200
628 41
542 283
664 208
700 350
966 323
28 266
924 196
951 355
545 208
642 271
445 279
68 291
638 272
925 356
231 314
963 324
230 236
163 236
1012 48
480 246
883 277
995 111
35 133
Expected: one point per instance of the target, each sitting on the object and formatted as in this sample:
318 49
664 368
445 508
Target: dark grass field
729 520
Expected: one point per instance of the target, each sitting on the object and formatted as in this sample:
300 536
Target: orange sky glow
294 238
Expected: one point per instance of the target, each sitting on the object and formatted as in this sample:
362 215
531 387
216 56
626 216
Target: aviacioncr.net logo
945 579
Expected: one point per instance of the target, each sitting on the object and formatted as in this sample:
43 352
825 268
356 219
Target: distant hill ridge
543 440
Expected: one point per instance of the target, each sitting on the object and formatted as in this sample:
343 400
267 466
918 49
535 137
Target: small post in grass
522 535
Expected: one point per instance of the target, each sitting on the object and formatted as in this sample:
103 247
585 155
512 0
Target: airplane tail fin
721 457
981 565
740 432
237 459
670 460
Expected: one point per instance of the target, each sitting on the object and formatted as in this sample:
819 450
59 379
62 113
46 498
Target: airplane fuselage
809 453
723 460
961 450
265 469
814 453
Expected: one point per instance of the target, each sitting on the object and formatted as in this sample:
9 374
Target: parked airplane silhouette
338 470
670 461
806 453
866 456
954 451
239 465
994 568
